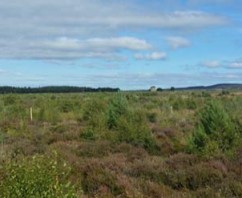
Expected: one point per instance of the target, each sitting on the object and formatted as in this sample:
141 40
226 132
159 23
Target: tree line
55 89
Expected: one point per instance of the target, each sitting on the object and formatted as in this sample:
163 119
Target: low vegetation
124 144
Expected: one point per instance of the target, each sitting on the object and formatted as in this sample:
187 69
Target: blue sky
131 44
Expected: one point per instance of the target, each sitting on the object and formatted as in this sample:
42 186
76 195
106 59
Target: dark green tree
215 130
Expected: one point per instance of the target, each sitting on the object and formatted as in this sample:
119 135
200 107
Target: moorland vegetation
125 144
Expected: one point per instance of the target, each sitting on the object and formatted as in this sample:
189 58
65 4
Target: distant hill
213 87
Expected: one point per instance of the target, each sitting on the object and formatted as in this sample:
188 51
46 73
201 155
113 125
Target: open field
126 144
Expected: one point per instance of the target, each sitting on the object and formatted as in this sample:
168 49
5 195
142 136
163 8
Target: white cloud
72 48
236 64
210 1
27 24
177 42
75 17
99 44
177 19
151 56
122 42
212 64
227 64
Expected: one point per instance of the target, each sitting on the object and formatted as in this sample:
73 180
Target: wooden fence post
31 114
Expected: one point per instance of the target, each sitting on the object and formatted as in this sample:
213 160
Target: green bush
191 104
66 106
39 176
11 99
215 132
92 108
116 108
132 129
178 104
88 134
152 117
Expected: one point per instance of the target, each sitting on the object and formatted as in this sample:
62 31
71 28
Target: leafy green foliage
39 176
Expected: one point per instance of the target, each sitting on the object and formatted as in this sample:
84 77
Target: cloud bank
177 42
227 64
69 29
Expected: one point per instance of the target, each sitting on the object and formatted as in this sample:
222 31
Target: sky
130 44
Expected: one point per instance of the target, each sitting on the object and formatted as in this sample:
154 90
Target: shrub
132 129
66 106
224 92
206 94
116 108
232 188
88 134
97 149
41 115
94 118
152 117
38 176
198 140
97 178
2 139
193 178
92 108
215 132
178 104
10 99
191 104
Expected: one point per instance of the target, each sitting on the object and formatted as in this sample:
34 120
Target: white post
171 108
31 114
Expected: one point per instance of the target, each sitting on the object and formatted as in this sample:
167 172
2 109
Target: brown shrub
96 179
231 188
94 149
181 161
193 178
